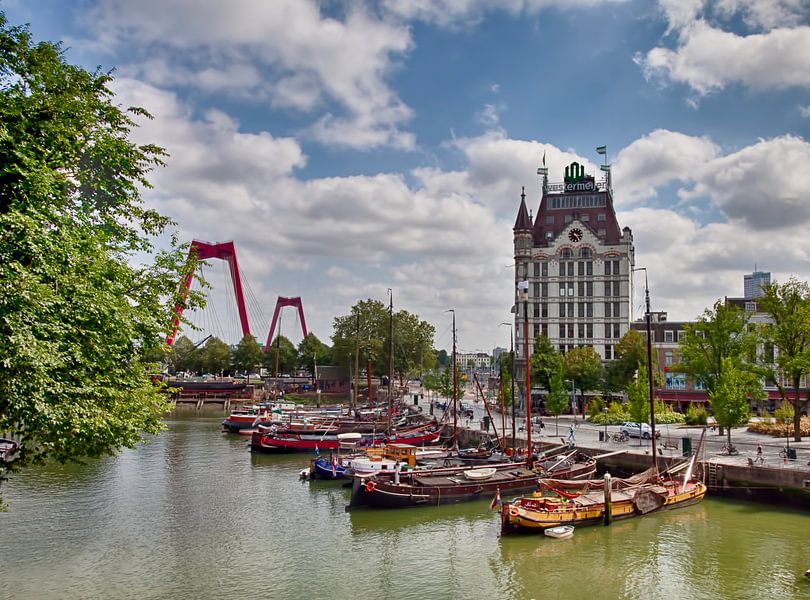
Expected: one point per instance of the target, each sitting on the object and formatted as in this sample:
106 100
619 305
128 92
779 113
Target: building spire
523 221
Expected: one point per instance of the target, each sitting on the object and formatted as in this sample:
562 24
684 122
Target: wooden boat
561 532
587 503
451 484
480 474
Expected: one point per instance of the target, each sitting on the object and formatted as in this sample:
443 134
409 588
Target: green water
193 514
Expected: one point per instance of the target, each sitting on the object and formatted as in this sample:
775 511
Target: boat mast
355 391
512 385
528 378
649 369
455 399
390 353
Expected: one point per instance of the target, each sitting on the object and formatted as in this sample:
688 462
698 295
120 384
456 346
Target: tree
78 312
631 351
729 398
413 339
638 399
247 355
287 356
788 305
185 356
718 334
557 398
312 351
583 366
544 361
215 356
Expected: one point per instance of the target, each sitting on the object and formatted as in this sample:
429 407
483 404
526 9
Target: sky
352 148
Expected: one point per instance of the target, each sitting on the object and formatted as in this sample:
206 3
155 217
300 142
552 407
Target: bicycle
620 437
729 450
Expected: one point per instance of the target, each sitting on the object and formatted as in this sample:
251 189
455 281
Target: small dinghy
560 533
478 474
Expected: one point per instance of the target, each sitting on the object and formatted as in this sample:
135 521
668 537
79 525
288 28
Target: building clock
575 234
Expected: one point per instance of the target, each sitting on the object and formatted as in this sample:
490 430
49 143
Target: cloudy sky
352 147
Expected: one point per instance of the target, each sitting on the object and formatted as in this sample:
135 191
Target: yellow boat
585 503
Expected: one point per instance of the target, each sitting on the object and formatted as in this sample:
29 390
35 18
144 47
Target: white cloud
708 59
284 52
658 159
804 111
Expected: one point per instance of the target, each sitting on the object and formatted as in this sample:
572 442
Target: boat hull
522 515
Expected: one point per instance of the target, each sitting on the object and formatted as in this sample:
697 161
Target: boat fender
370 486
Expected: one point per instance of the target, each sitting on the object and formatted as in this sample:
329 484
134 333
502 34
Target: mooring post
608 507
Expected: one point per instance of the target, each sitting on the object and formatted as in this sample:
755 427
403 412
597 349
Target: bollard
608 507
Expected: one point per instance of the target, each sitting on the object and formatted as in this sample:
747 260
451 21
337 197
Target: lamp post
606 414
787 438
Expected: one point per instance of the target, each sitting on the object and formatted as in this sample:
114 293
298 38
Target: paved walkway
670 444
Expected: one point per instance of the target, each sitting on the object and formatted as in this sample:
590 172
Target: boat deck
518 473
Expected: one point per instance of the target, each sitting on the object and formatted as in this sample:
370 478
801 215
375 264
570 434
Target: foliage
311 351
506 377
445 384
729 398
184 356
638 397
545 360
369 324
596 406
618 414
631 351
247 355
788 305
785 412
281 352
696 415
84 297
779 428
215 356
718 334
557 399
583 366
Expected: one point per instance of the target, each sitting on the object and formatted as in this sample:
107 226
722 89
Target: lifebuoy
513 511
370 486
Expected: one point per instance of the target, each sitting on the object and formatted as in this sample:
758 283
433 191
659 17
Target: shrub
779 428
784 413
596 406
696 415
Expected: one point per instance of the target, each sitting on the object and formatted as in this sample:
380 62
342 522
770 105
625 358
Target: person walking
542 428
571 437
759 458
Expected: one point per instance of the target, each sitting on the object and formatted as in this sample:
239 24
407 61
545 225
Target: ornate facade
573 266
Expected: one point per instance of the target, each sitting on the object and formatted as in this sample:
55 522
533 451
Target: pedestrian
571 437
542 428
759 458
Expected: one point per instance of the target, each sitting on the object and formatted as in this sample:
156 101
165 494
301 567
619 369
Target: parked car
638 429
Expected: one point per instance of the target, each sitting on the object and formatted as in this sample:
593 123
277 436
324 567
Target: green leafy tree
78 313
788 305
287 355
215 356
631 351
544 361
638 398
413 339
247 355
312 351
583 366
185 356
443 358
446 384
729 398
506 377
557 399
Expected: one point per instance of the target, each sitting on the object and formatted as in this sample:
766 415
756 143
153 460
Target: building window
616 334
571 289
581 288
607 267
566 253
536 290
562 309
608 352
571 309
536 310
607 330
581 268
544 327
699 385
536 329
669 336
617 309
544 310
600 233
681 334
589 309
589 268
676 381
549 219
544 269
589 288
616 267
571 330
581 331
581 310
562 330
668 359
544 290
568 218
537 269
600 217
585 253
589 333
585 218
607 309
571 269
562 289
608 289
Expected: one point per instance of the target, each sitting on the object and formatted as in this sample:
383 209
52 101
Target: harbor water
192 514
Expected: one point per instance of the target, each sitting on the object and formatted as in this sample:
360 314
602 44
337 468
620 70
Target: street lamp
787 438
606 420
